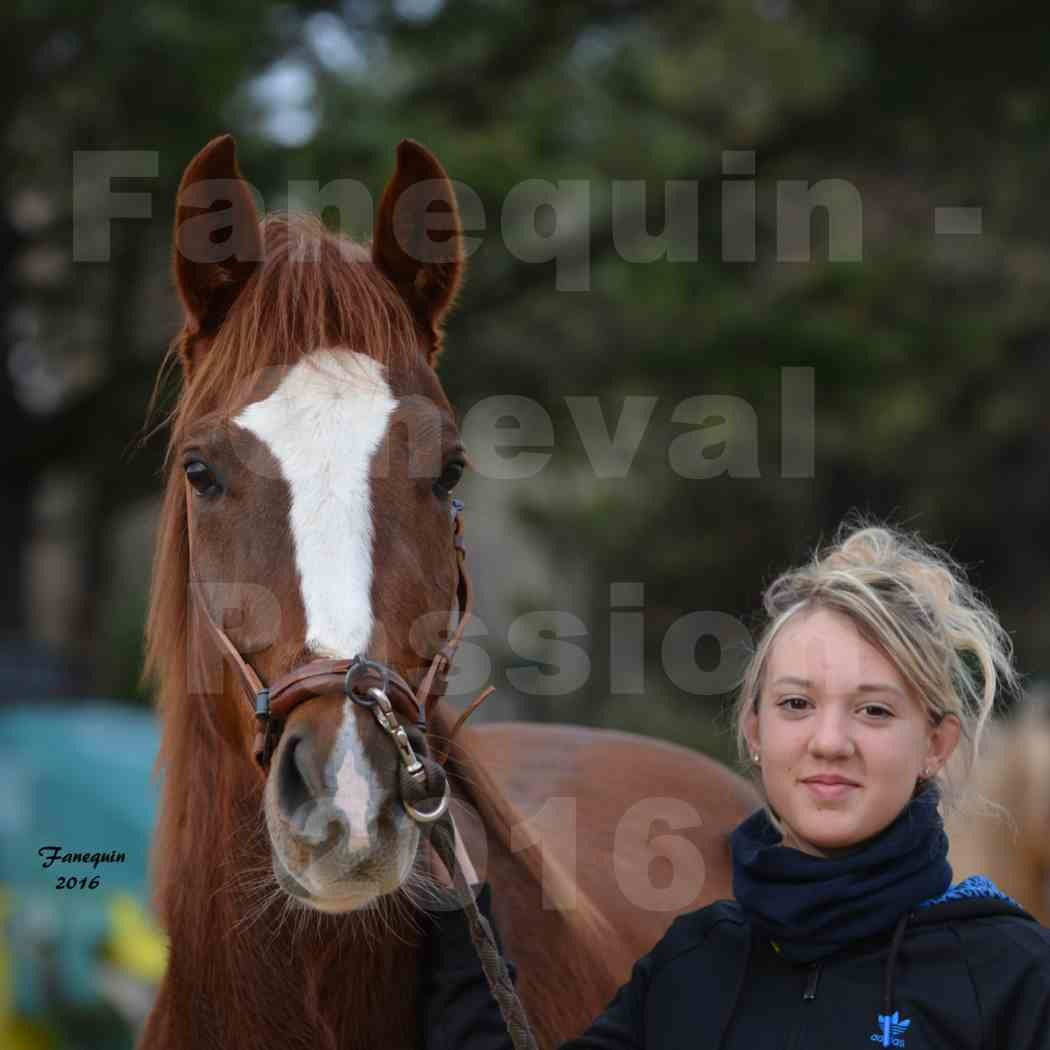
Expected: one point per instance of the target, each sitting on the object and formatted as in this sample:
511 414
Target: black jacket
969 971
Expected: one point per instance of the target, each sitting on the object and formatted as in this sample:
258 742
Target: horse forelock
312 289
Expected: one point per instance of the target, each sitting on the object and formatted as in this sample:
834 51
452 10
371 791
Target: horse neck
246 967
570 960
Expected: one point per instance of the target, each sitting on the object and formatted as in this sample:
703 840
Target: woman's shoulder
991 927
1018 938
973 887
721 921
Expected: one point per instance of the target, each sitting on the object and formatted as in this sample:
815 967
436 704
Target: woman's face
832 704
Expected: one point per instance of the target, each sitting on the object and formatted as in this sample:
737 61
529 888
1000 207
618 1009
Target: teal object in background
77 775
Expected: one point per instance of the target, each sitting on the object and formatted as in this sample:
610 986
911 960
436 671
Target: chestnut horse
1011 848
307 514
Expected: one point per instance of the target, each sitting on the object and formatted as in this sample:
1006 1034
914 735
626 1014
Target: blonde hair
912 601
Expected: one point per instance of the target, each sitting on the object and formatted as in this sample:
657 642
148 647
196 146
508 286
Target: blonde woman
877 661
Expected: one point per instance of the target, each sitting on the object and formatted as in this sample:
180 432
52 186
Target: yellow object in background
18 1034
7 991
136 944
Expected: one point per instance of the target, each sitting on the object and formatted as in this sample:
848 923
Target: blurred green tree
928 356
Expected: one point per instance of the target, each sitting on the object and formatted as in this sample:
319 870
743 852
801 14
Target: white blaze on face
323 424
357 790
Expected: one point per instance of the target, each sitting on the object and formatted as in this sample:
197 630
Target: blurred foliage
930 356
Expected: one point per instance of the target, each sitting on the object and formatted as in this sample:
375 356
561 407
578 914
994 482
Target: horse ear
217 240
418 241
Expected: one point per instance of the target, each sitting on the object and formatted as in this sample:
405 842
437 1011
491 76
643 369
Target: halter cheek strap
366 682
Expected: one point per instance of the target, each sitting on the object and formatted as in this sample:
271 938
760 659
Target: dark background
929 355
929 352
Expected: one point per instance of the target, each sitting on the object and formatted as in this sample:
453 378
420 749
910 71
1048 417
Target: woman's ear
750 727
944 738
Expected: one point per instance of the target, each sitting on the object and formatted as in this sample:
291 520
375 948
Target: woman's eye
449 477
789 703
204 482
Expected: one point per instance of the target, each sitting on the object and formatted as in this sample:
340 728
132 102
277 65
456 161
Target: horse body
622 815
1012 849
307 517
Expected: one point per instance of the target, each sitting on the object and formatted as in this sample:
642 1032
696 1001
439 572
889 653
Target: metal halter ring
429 818
358 666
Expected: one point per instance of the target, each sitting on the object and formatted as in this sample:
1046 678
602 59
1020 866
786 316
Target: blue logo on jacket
892 1027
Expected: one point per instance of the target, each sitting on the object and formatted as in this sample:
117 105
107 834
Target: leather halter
357 678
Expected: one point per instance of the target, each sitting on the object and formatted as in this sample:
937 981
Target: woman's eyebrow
878 687
866 687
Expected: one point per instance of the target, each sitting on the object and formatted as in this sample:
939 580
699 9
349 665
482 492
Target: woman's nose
831 735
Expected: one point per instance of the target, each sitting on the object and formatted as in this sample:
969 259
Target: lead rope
443 838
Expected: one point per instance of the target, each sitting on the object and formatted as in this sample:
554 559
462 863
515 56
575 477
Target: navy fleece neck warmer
812 906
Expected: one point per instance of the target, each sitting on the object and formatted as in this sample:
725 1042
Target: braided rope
443 839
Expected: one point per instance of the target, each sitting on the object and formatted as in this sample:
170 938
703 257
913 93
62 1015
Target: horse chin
335 882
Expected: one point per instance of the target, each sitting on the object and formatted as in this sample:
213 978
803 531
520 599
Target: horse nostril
308 801
293 785
321 828
335 833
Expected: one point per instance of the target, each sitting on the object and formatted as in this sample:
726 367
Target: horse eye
199 475
449 478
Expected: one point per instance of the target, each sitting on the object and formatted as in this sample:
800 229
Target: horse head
309 515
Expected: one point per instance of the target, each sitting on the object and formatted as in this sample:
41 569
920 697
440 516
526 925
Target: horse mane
239 950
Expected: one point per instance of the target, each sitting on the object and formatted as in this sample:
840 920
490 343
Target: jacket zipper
809 992
811 984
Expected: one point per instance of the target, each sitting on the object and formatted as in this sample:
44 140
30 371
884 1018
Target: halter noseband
367 682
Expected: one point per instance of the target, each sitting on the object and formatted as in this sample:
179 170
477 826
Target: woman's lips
829 791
